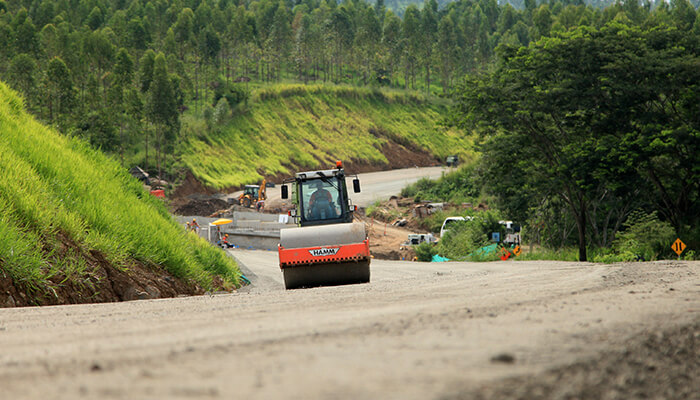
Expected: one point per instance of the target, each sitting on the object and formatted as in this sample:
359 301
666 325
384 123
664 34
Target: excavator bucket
324 255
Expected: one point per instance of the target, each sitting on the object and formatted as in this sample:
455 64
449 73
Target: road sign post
678 246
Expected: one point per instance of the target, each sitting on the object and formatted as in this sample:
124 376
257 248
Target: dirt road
375 185
417 331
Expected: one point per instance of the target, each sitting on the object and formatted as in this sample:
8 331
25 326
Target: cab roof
320 173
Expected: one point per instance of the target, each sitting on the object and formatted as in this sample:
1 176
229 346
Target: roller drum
328 274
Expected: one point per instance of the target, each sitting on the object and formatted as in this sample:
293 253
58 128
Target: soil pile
203 207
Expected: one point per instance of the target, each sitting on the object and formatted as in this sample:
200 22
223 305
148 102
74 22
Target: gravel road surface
417 331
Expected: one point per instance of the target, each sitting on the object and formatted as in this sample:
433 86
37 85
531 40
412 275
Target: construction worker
194 225
321 202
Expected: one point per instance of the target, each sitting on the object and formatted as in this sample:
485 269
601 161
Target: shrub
220 111
462 239
645 236
233 93
425 251
457 186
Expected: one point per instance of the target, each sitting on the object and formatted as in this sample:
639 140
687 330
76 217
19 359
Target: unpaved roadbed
654 365
416 331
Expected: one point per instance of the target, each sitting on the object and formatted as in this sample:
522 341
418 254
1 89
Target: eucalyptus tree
367 42
429 28
61 93
23 71
281 38
161 108
342 33
123 72
447 51
411 43
392 44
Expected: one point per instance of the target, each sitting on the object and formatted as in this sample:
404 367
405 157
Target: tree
50 41
302 49
6 41
95 19
137 36
280 37
684 14
183 29
100 50
542 20
61 92
598 118
161 108
23 69
342 34
412 42
391 40
146 69
123 72
366 40
537 107
429 27
446 50
208 48
26 38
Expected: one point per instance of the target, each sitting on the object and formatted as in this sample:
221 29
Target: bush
425 251
233 93
220 111
462 239
645 236
458 186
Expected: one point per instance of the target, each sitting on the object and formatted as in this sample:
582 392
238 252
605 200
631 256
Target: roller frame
348 264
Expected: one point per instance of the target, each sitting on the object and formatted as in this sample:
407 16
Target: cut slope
290 127
75 227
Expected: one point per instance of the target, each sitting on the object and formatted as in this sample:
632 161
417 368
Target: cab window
320 200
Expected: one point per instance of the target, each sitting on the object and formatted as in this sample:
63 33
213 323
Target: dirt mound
203 207
189 186
386 241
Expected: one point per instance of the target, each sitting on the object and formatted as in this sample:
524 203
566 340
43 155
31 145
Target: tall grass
287 126
54 189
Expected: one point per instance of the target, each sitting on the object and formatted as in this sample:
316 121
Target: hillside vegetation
127 76
296 126
75 227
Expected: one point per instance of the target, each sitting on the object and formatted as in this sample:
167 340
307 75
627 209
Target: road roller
327 247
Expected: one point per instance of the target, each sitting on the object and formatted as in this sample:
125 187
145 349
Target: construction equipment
327 248
254 196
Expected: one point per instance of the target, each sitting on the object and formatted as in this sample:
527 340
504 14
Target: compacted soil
513 329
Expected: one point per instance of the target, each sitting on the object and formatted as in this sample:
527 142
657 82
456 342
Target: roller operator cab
327 248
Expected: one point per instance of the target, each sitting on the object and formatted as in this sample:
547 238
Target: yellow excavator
254 196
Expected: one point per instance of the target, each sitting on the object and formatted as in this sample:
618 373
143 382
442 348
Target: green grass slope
286 127
66 209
